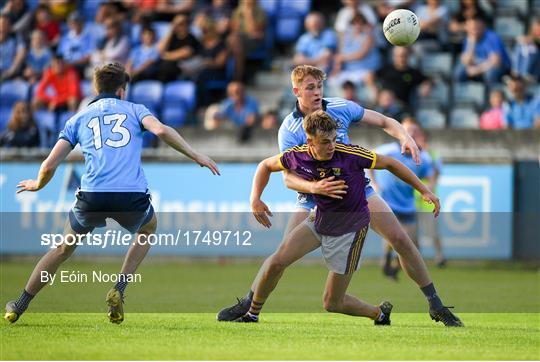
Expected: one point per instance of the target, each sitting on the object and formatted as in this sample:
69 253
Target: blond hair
318 122
300 72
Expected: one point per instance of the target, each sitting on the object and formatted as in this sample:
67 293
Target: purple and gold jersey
335 217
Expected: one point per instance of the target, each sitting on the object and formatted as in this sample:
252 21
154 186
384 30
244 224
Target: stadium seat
46 124
269 6
464 118
470 93
512 7
147 92
431 118
437 64
173 116
135 35
180 91
288 28
63 118
13 91
298 7
439 95
161 28
509 27
89 8
87 89
5 115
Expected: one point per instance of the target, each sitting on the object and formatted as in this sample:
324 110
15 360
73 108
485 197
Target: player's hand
261 213
410 146
27 185
430 198
330 187
205 161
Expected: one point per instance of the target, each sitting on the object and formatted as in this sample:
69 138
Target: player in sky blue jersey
110 134
399 195
339 226
307 83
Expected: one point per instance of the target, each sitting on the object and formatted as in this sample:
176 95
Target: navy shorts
130 209
406 218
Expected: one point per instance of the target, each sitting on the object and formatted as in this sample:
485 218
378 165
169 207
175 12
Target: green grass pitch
171 315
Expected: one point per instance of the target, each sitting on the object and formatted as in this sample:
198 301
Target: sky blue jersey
398 194
344 112
110 134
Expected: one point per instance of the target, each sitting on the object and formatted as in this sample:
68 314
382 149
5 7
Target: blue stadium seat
5 115
431 118
46 124
87 89
299 7
439 95
135 35
288 28
509 27
512 6
161 28
89 8
13 91
464 118
470 93
437 64
174 116
269 6
180 91
63 118
149 93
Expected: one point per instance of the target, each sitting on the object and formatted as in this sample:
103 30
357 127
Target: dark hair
319 122
149 29
348 84
110 77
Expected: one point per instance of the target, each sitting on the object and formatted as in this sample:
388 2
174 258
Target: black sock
122 283
23 301
434 301
249 295
388 259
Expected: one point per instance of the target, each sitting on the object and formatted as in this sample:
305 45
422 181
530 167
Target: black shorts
130 209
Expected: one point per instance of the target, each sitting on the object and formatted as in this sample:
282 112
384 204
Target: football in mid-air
401 27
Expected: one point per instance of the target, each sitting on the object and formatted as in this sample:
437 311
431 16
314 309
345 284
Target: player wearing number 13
110 134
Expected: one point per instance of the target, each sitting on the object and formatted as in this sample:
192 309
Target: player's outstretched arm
61 149
401 171
329 186
262 176
394 129
173 139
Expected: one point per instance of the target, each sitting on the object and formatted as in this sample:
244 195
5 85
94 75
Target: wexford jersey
398 194
344 112
110 134
335 217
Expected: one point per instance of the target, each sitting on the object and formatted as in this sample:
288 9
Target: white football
401 27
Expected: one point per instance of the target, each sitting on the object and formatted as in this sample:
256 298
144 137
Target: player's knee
399 240
276 265
63 252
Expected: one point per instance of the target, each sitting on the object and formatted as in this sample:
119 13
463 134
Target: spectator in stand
64 81
493 118
387 105
385 7
526 62
78 44
317 45
12 51
179 45
38 58
270 120
433 17
347 12
47 24
467 9
219 12
213 53
520 112
19 15
21 130
238 109
349 92
357 56
115 46
484 56
142 62
166 10
248 27
402 79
